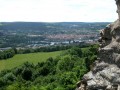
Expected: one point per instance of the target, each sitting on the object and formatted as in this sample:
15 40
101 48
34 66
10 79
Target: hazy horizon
58 11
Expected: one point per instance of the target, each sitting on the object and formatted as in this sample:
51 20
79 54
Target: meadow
34 58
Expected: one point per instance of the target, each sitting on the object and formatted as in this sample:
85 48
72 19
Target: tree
27 74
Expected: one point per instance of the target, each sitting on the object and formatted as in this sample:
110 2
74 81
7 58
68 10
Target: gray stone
106 72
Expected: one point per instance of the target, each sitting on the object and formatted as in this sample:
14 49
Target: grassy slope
21 58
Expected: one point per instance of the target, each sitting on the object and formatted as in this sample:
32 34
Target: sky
58 10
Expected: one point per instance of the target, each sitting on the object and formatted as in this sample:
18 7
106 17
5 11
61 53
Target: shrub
27 74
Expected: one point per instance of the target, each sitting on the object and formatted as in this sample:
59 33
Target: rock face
106 72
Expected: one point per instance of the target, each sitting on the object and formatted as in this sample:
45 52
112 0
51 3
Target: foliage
61 73
7 54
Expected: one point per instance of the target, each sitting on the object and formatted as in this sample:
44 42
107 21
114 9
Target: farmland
21 58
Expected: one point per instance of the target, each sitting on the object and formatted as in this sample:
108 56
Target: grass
21 58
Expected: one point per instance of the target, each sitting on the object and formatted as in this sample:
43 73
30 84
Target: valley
39 34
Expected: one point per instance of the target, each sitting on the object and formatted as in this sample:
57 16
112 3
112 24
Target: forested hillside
50 28
60 73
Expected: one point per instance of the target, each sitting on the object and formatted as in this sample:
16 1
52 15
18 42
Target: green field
21 58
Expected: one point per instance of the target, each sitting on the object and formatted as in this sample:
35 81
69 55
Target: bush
2 82
27 74
68 79
65 64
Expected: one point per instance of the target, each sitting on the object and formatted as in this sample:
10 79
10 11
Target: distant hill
51 28
30 34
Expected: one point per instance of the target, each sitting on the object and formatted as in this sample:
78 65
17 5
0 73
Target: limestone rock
106 73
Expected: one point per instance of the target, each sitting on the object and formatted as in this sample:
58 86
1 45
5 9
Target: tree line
11 52
60 73
7 54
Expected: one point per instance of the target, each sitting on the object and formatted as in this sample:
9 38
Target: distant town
23 35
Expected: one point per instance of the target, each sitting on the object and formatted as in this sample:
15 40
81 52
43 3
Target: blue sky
58 10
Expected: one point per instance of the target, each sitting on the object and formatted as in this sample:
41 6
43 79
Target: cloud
58 10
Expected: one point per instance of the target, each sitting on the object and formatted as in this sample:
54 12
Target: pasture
34 58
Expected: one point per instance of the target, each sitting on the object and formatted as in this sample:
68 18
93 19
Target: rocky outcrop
106 72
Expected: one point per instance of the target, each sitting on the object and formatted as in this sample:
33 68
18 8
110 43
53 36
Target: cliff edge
106 72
